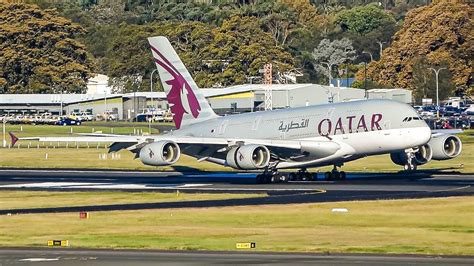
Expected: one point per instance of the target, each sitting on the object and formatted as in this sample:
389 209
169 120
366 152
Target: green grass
88 127
13 199
421 226
84 157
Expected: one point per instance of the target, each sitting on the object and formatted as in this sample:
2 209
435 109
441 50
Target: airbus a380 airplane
296 138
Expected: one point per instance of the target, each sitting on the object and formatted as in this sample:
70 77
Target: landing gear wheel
328 176
342 175
307 176
275 178
410 167
260 179
292 177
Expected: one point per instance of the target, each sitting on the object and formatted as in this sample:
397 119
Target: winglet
13 138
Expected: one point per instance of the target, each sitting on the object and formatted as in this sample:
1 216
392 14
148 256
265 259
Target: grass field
421 226
58 156
14 199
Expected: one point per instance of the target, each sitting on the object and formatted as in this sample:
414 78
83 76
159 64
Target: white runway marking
84 185
39 259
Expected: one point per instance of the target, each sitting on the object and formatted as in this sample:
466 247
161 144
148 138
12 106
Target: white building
99 84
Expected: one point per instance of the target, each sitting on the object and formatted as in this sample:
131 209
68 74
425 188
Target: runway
73 257
358 186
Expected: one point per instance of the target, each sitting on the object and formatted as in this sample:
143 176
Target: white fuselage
361 128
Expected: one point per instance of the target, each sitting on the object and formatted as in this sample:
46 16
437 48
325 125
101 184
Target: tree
424 81
441 32
245 48
363 19
38 52
329 54
128 54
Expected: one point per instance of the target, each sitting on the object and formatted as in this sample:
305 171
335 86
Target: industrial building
235 99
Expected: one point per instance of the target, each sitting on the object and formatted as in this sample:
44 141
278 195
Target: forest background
52 46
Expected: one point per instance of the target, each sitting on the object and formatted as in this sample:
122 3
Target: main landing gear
334 174
271 175
301 175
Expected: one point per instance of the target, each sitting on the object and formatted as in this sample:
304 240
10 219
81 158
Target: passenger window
409 119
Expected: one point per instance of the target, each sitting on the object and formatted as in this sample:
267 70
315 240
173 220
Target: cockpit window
408 119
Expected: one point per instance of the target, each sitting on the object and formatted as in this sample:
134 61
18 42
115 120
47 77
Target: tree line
48 46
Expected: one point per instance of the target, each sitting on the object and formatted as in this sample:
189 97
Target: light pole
4 132
329 71
436 71
151 99
369 53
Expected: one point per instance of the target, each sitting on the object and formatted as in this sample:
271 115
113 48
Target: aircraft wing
202 147
439 132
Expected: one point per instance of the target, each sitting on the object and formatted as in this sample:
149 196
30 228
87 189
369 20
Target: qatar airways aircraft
296 138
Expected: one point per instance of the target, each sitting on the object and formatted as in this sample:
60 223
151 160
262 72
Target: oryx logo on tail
180 97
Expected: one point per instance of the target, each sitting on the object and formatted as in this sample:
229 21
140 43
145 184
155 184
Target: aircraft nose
426 134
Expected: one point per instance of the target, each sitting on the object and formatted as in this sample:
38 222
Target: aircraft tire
343 175
292 177
328 176
307 176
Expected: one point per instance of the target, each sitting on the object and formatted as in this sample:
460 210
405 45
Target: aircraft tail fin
13 138
187 103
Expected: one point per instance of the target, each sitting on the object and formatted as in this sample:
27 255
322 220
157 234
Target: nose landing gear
411 162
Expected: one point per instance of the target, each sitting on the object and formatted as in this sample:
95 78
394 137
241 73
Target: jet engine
248 157
445 147
423 155
160 153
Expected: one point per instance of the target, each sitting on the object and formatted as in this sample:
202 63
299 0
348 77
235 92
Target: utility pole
106 114
4 132
62 110
151 100
436 71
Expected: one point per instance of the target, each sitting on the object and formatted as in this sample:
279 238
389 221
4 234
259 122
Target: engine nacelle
248 157
445 147
422 156
160 153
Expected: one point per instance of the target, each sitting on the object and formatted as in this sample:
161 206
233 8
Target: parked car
106 116
450 111
67 121
469 110
87 116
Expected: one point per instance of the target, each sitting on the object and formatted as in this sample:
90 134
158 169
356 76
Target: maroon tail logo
180 97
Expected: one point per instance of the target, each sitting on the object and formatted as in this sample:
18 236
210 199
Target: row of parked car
79 118
43 119
429 111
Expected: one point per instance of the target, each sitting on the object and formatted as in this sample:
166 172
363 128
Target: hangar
235 99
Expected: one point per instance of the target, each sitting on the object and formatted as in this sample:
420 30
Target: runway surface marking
84 185
77 257
118 186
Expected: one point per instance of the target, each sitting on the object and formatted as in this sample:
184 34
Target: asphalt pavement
91 257
358 186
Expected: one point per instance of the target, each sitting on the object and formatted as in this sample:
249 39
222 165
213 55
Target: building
99 84
401 95
235 99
